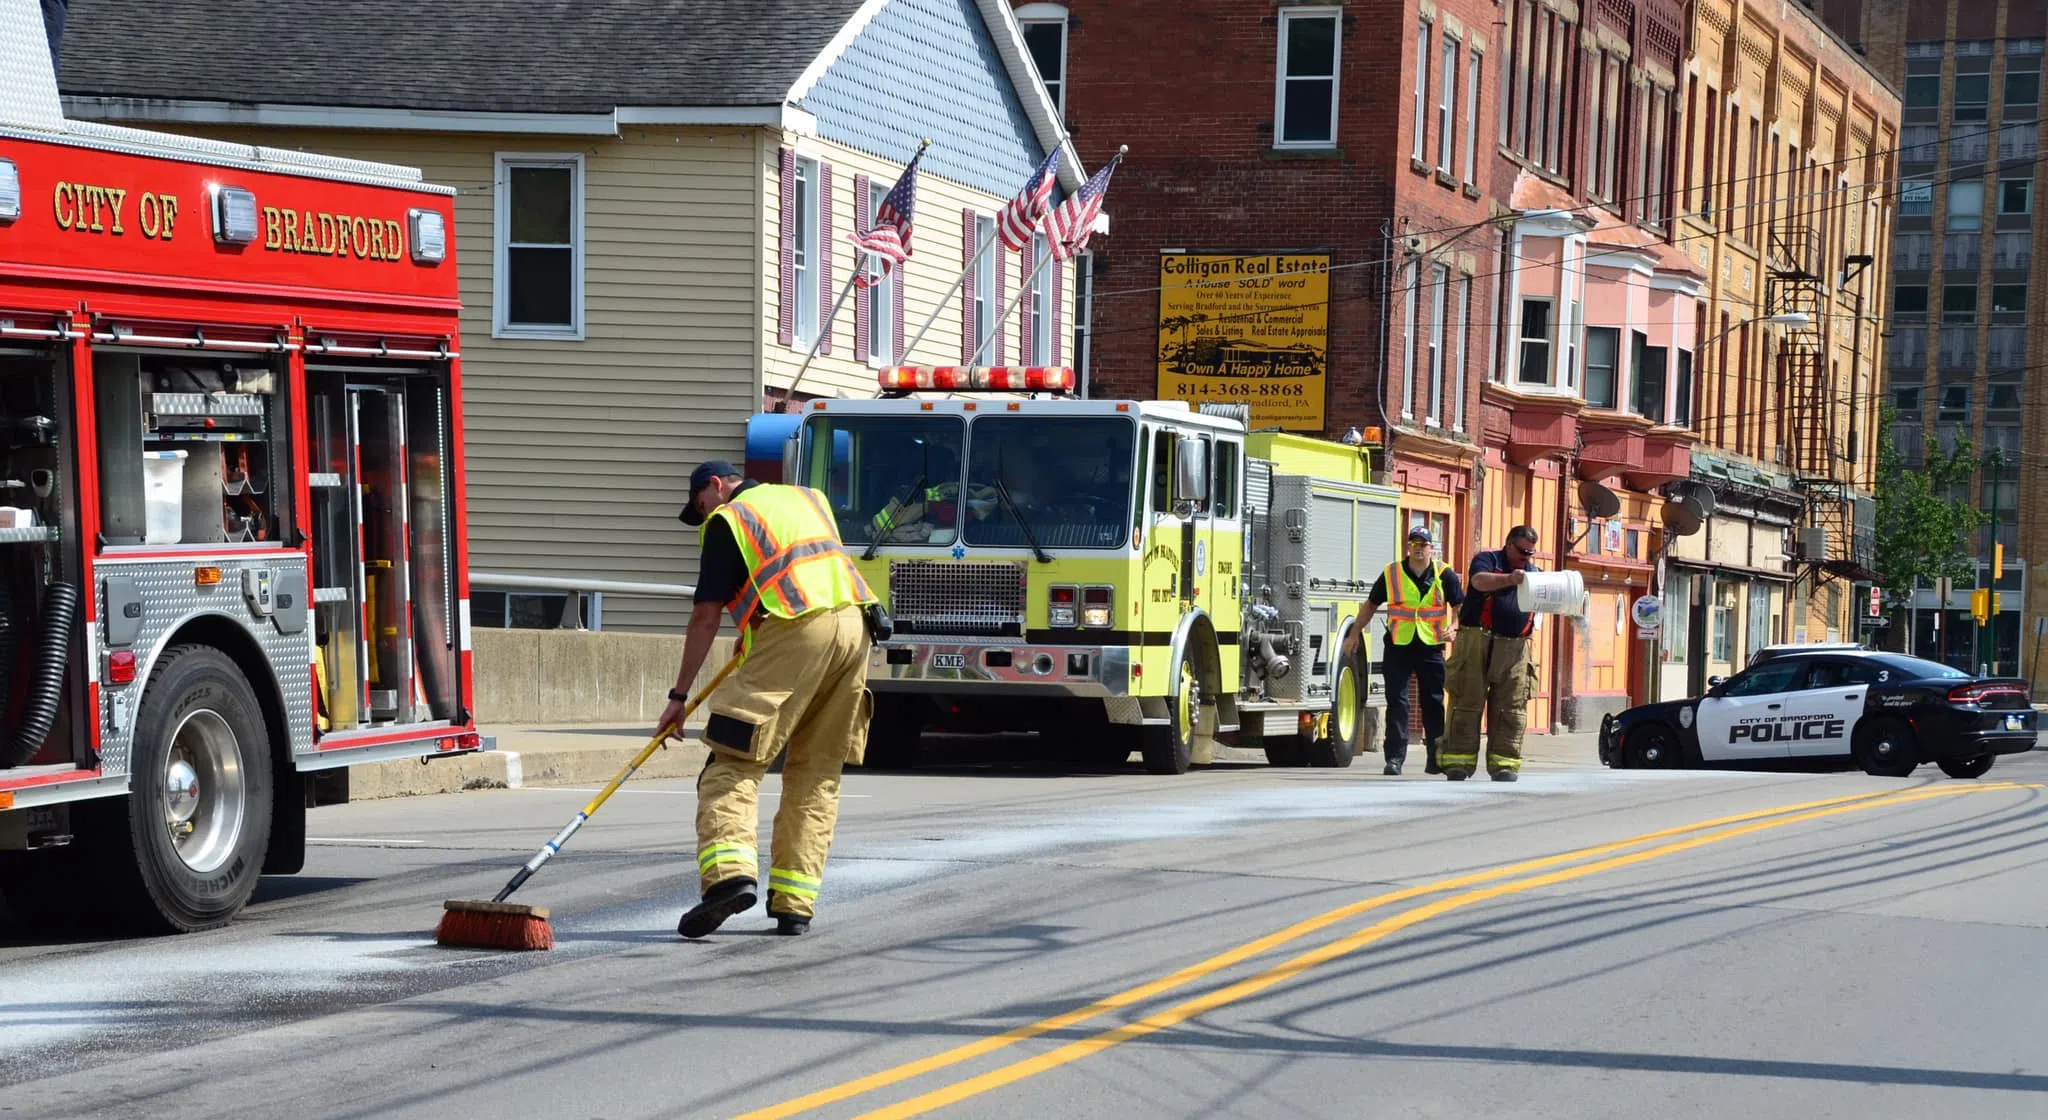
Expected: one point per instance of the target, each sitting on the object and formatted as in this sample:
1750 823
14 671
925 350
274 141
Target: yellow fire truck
1118 575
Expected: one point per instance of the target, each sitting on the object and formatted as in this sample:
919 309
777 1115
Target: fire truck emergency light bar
980 379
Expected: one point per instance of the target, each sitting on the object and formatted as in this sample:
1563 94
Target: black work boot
1457 775
1429 765
1393 769
787 924
722 901
1505 776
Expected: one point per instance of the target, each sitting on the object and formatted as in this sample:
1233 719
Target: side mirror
1714 684
1190 472
793 459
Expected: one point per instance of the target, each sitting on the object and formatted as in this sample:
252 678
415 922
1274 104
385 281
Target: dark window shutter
967 292
863 299
785 320
1059 303
896 339
1029 306
824 258
999 303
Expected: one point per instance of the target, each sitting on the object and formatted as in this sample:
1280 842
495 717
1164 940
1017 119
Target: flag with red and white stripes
889 237
1070 223
1019 220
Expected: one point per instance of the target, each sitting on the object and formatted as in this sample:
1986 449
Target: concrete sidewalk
546 755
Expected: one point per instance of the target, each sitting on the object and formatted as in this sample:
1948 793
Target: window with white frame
1305 107
881 295
1042 304
1439 300
1474 66
1536 335
1408 342
538 278
1447 106
804 252
1417 149
1045 36
986 307
1459 337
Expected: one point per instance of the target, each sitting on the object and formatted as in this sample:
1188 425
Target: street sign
1648 612
1876 598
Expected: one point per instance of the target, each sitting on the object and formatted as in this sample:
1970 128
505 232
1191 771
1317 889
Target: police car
1886 711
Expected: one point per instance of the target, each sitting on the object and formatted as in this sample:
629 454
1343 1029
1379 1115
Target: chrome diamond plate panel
28 83
171 599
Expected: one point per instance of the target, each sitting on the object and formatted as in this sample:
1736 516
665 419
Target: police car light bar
979 379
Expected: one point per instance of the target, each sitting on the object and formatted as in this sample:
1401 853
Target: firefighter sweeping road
1010 940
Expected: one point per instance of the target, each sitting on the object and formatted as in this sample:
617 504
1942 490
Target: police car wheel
1885 749
1653 747
1968 767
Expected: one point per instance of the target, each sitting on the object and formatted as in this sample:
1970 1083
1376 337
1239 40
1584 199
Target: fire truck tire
1170 749
1339 745
198 811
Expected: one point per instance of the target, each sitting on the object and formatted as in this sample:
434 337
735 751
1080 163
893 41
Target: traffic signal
1980 604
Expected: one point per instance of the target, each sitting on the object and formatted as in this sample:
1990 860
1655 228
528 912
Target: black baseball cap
1418 533
699 479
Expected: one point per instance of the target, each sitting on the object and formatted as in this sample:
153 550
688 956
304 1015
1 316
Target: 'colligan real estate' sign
1247 328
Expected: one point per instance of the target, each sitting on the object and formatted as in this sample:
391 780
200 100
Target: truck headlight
1098 607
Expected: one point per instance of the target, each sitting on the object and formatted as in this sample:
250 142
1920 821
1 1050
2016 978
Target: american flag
1019 220
1068 226
889 237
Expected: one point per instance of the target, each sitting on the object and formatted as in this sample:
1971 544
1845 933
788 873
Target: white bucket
1552 593
163 496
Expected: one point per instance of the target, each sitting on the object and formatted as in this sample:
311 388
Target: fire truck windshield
1070 478
891 480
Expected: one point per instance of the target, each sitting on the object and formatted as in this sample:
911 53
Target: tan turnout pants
802 688
1488 675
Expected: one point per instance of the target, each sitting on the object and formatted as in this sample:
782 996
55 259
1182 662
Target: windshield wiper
874 538
1003 492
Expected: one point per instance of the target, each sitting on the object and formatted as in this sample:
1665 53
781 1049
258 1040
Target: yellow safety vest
795 564
1413 616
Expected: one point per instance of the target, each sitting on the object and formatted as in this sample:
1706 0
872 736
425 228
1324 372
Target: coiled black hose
46 676
9 644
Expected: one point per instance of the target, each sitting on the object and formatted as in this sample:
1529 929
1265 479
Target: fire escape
1811 445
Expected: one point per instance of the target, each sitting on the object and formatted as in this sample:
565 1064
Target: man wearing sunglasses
1490 672
1418 592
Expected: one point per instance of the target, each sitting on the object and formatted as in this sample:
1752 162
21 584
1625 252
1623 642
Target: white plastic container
1552 593
163 496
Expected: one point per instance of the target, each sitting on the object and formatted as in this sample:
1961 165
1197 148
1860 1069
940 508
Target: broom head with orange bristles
495 925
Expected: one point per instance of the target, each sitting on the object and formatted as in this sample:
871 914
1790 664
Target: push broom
499 924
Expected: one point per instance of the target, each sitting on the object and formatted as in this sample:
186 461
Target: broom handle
548 852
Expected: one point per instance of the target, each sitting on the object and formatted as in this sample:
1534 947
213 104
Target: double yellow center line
1477 887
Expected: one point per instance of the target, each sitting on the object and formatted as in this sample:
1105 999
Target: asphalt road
1239 942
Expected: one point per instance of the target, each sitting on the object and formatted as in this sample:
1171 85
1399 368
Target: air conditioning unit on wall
1811 544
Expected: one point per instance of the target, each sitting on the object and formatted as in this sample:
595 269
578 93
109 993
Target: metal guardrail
574 588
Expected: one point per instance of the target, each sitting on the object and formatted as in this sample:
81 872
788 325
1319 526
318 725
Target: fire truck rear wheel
199 805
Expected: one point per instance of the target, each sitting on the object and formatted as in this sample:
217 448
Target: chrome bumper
1010 667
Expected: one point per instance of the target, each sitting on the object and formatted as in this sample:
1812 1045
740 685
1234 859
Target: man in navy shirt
1490 672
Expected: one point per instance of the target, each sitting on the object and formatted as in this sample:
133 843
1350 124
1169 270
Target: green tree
1923 534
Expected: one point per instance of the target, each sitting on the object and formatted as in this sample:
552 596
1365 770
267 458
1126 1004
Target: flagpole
940 306
1032 282
825 329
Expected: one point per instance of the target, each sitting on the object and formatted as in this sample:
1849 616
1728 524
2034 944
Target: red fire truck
232 539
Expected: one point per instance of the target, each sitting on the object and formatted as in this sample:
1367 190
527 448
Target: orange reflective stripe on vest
790 544
1414 615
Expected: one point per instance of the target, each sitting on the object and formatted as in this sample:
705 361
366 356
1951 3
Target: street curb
517 770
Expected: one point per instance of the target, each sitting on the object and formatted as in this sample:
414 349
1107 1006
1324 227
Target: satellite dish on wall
1699 497
1681 520
1598 500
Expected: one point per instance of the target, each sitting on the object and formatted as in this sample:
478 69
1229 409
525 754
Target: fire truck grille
937 597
